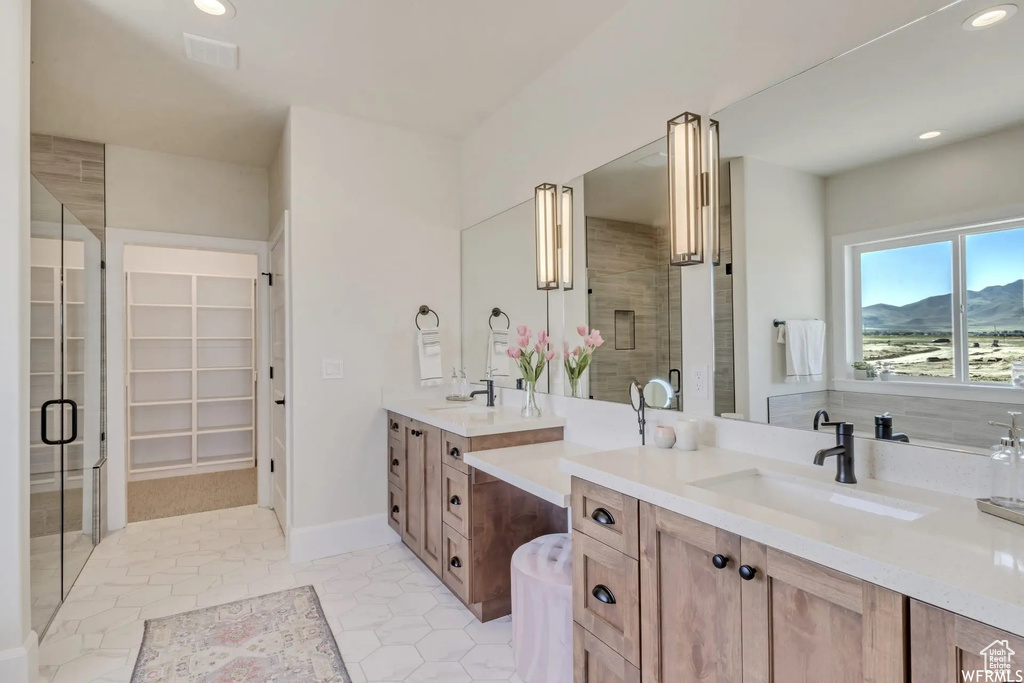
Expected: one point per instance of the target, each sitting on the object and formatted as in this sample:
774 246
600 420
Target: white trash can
542 609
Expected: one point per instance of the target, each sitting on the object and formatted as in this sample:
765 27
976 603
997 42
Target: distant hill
999 307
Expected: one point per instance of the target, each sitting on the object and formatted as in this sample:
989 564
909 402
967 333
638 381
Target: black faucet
817 418
843 450
883 429
489 391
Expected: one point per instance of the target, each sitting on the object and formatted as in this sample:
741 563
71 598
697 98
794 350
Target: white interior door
278 382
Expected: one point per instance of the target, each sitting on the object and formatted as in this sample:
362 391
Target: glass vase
574 387
530 407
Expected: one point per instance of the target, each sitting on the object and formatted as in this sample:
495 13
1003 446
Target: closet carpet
174 496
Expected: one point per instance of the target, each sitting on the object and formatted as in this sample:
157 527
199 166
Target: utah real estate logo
999 667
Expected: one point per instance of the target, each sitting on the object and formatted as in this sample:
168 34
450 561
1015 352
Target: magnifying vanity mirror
875 203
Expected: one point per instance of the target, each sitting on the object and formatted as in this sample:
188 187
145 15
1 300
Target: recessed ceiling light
987 18
218 8
930 134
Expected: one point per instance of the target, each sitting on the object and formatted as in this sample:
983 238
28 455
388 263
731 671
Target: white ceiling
115 70
871 104
630 191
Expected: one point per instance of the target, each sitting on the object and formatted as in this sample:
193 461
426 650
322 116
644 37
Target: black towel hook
497 313
426 310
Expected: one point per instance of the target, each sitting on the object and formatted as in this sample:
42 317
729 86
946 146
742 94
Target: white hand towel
429 344
497 353
805 349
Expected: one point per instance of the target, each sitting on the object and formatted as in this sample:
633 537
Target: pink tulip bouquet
578 360
532 359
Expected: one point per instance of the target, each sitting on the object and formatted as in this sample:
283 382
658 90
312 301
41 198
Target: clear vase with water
530 407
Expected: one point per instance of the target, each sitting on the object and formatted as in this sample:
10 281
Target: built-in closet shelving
191 375
45 370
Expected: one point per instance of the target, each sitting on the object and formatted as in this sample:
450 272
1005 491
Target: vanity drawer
608 516
396 428
595 662
606 595
396 515
457 564
455 496
396 462
453 448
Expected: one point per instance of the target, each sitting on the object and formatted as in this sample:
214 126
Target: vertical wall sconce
714 200
687 194
566 238
546 206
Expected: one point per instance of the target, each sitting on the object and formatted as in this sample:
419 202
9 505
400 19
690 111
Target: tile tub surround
392 618
958 423
471 419
955 557
534 469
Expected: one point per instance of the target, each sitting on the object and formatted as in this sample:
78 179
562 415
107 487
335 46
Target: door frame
282 235
117 464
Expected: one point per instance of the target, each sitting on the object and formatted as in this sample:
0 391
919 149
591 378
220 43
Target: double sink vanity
712 565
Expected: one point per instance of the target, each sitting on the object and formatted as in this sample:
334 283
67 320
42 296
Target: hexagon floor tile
393 620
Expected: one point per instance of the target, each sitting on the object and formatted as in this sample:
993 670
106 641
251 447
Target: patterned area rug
281 637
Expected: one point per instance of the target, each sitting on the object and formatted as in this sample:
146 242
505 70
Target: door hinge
270 278
271 465
271 372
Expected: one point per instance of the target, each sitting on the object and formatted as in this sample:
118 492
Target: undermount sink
823 502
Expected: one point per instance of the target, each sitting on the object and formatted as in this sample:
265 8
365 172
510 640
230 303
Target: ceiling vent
212 52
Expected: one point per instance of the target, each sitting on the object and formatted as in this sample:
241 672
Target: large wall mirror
882 193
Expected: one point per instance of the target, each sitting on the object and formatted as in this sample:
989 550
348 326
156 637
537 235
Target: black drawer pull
455 453
603 594
395 463
455 500
394 509
720 561
394 426
602 516
456 562
747 572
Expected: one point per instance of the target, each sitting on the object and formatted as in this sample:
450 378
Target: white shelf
160 435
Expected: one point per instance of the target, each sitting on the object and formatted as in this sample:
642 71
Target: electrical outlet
333 369
699 381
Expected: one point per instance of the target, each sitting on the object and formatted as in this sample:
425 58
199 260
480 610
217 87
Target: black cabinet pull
455 500
603 594
720 561
394 509
395 463
747 572
394 426
279 402
456 562
602 516
454 452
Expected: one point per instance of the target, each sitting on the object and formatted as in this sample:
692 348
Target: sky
903 276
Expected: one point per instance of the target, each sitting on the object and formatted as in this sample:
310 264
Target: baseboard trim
307 543
21 664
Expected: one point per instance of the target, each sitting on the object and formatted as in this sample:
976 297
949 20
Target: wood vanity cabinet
463 523
944 646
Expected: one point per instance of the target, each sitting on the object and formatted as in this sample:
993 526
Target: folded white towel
429 344
805 349
497 353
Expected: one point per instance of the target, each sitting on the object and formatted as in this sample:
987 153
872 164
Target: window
944 307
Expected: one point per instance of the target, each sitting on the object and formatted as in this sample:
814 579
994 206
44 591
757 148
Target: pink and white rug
280 637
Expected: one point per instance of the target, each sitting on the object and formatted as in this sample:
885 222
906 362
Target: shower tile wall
725 357
626 271
941 420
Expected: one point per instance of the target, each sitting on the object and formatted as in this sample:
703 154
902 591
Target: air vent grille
212 52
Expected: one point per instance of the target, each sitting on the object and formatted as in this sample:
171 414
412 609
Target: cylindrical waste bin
542 609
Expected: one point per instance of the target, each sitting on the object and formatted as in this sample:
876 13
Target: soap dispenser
1007 468
453 385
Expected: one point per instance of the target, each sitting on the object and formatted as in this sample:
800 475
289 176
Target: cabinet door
691 622
604 595
803 622
433 505
415 485
947 648
595 662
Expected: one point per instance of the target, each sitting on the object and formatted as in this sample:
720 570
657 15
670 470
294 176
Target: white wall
374 234
779 272
280 179
172 193
17 641
192 261
966 178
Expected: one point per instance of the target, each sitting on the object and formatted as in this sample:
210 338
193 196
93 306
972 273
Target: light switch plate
699 381
333 369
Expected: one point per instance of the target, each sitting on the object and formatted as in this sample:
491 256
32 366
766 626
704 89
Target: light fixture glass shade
546 208
565 239
685 191
713 187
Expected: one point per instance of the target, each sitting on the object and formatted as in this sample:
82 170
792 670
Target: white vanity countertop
534 469
954 556
472 418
